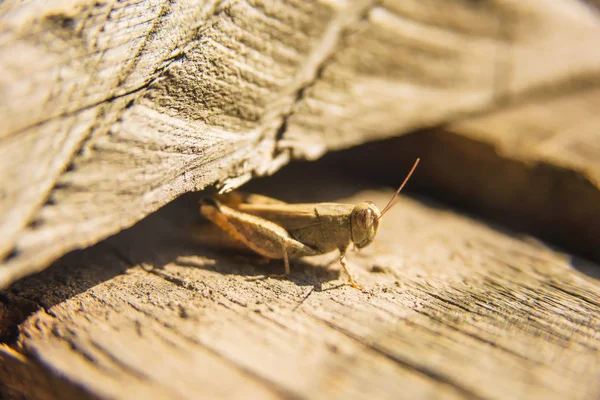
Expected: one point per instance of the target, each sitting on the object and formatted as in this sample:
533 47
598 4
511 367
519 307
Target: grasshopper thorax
364 222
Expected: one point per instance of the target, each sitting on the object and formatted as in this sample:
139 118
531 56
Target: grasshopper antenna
394 198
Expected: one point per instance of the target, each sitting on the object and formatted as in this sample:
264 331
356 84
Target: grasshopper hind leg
286 260
259 235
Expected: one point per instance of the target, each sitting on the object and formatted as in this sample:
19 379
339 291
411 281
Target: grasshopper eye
364 222
365 218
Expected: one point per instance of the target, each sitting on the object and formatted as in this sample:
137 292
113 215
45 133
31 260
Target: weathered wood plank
534 166
110 110
453 309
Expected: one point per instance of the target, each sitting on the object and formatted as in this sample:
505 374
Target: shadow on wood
453 309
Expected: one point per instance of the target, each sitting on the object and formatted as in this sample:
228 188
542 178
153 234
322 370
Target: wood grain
109 110
533 166
454 308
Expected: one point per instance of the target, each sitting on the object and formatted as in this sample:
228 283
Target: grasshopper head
364 221
365 217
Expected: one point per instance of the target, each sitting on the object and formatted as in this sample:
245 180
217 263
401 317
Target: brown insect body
323 226
278 230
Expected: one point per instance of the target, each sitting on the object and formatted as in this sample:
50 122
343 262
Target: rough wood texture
110 109
534 166
454 309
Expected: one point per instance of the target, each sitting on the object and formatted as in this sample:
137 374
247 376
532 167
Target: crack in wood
257 377
408 364
317 76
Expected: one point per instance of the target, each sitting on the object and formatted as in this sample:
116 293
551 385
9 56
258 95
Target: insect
279 230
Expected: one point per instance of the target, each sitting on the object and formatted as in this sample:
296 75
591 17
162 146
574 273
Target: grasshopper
279 230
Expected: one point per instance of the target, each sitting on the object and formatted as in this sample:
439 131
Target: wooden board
533 166
454 308
111 109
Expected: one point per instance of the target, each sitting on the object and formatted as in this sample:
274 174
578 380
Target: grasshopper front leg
263 237
343 263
